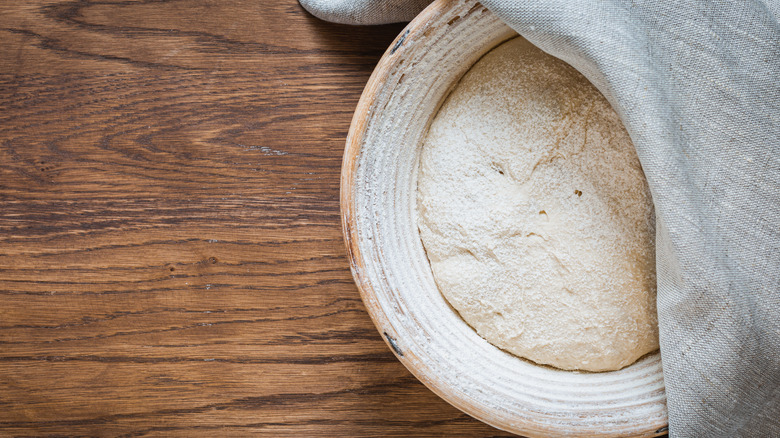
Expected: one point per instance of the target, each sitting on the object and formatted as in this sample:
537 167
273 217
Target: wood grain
171 261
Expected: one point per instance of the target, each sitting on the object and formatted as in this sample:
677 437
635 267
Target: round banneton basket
378 207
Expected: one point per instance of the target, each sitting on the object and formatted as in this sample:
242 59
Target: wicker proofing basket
378 208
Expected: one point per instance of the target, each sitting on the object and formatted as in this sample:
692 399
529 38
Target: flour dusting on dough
536 216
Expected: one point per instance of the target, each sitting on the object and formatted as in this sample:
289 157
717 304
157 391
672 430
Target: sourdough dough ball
536 216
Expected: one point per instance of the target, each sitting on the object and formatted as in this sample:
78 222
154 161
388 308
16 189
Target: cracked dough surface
536 216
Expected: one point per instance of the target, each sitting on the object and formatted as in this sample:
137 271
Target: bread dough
536 216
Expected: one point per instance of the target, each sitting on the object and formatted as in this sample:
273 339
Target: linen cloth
697 85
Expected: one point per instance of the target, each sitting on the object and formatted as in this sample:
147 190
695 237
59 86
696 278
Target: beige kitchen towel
697 85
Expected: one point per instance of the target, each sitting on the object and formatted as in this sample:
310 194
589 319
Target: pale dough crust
536 216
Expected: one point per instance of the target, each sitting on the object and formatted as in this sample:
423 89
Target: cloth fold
365 11
697 85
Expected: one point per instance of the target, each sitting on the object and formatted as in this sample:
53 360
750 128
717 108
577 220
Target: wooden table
171 258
